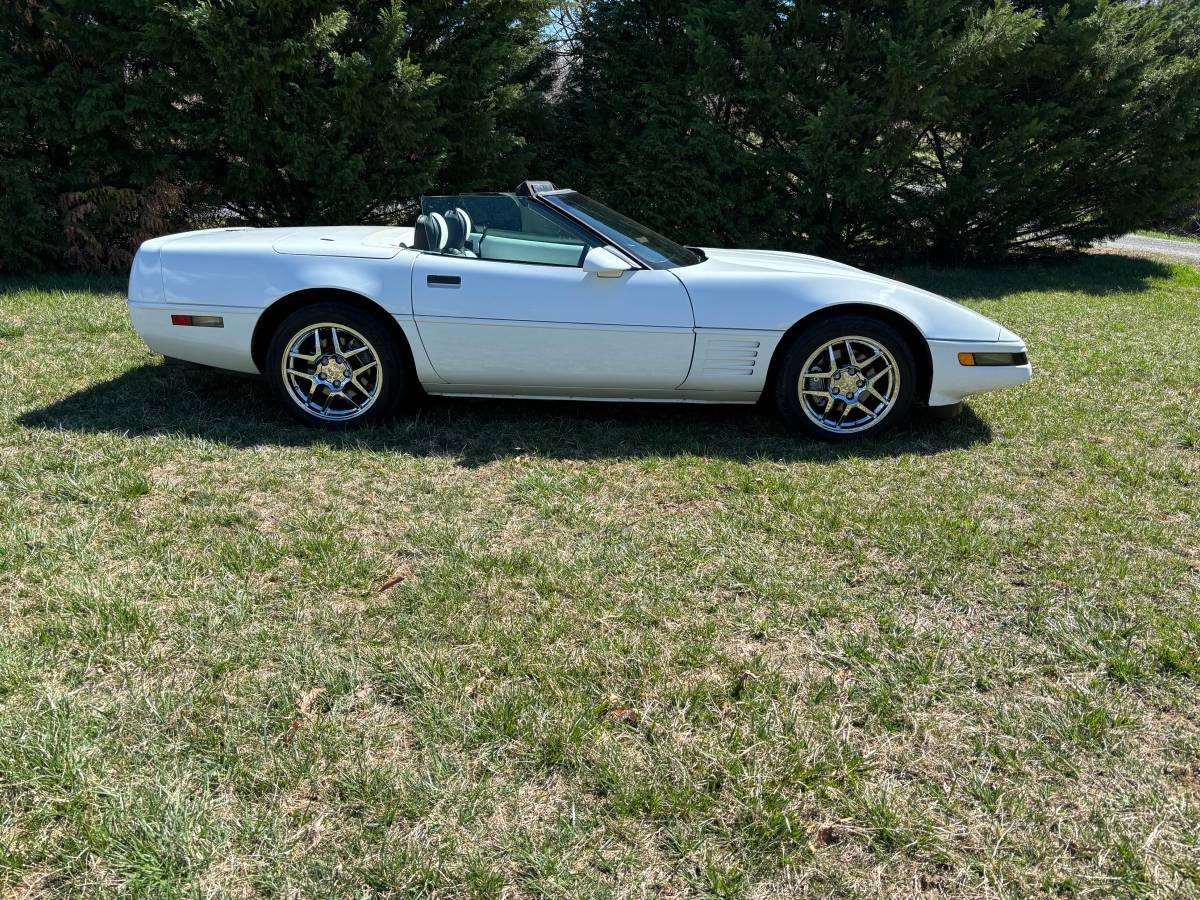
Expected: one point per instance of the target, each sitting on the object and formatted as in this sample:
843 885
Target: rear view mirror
605 263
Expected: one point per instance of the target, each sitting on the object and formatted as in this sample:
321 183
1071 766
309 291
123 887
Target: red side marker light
198 321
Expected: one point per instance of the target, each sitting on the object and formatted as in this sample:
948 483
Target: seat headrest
439 231
459 224
431 233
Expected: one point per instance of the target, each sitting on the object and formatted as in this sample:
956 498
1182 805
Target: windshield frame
677 256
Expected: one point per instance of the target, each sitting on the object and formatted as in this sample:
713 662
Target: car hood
776 261
773 290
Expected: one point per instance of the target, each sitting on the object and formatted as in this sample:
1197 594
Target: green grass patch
544 649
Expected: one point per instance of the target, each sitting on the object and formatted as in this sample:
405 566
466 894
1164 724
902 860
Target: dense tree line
906 129
120 119
938 128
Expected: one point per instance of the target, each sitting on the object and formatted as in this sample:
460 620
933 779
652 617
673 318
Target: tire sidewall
397 379
808 341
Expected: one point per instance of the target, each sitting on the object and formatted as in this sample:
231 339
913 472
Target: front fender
735 297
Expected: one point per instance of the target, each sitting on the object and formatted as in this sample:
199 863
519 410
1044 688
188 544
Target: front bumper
952 381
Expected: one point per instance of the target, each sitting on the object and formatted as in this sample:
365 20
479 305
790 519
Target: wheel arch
272 317
912 335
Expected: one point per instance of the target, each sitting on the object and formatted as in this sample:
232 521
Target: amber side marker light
992 359
208 321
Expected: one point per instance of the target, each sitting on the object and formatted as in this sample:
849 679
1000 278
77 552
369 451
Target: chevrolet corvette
546 293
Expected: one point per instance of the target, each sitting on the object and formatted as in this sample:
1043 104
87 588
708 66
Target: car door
494 313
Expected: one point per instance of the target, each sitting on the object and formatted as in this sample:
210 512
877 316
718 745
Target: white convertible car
546 293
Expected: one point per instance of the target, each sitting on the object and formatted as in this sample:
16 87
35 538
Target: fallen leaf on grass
304 705
825 836
619 713
303 712
405 572
309 837
306 699
624 714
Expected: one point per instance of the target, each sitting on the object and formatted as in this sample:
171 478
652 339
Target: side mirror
605 263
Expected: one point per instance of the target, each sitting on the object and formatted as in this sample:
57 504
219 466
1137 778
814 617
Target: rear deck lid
363 242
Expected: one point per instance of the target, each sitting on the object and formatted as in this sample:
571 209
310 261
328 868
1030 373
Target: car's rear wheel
846 378
337 367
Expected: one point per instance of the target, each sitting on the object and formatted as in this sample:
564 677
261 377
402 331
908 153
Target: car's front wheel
336 367
846 378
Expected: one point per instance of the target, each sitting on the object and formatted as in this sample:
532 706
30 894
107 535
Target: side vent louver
729 358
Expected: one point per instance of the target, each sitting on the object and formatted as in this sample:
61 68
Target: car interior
501 227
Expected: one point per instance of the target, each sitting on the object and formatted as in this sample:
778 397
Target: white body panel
952 382
510 324
700 333
237 273
772 291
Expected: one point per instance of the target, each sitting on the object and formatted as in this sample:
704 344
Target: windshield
649 246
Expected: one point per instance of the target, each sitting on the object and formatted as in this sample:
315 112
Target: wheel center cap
333 370
847 382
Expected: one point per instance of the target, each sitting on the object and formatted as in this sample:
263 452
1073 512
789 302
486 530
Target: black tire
897 398
357 328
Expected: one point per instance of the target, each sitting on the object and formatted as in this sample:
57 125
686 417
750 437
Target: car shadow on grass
240 412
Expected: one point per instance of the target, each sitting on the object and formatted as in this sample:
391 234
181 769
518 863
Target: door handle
444 280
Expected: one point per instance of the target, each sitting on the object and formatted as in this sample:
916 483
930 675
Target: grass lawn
527 649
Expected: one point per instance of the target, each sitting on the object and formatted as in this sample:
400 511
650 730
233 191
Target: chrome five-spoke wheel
848 384
332 371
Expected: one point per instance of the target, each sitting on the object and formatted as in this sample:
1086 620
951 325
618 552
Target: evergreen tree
923 128
75 174
125 118
916 129
338 110
1084 127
